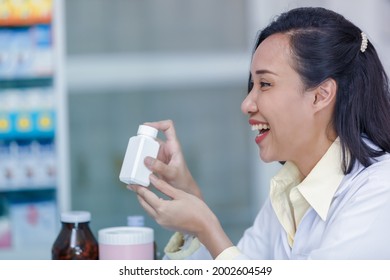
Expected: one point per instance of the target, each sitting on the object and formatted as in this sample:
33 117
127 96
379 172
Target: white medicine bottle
139 221
143 145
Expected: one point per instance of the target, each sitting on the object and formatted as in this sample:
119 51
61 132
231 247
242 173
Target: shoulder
379 168
373 179
378 171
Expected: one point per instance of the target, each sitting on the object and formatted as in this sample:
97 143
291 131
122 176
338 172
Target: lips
262 127
261 136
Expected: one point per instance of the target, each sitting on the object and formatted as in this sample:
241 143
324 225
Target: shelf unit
34 179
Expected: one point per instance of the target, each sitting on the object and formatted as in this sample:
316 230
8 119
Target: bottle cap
126 235
147 130
76 217
135 221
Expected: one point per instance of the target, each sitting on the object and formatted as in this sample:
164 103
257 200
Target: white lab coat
357 225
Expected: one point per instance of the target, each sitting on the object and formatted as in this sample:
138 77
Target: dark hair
326 45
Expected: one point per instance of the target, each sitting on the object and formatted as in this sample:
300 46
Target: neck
312 154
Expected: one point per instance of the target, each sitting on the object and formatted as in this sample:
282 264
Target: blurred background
126 62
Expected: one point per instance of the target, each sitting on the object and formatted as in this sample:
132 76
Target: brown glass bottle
75 240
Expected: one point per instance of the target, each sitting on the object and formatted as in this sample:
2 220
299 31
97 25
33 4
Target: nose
248 106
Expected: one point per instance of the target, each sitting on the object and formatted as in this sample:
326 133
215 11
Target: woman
319 97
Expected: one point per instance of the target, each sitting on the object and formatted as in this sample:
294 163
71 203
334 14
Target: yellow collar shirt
291 198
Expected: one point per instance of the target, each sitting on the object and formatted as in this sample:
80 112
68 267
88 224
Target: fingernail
130 187
148 161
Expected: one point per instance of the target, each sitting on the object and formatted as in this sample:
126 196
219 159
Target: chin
266 158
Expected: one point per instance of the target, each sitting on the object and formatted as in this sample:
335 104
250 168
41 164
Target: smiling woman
319 97
279 100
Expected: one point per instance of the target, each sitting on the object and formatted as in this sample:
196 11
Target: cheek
288 108
288 124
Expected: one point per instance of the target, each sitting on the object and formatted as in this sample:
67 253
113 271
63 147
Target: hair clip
364 44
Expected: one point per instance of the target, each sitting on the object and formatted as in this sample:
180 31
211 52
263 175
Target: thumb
158 167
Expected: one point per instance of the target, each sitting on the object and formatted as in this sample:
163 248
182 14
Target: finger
148 196
157 166
165 126
148 209
163 187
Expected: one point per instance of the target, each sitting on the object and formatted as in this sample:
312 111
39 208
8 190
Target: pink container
126 243
5 240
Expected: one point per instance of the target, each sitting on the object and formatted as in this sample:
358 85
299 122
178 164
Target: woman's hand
170 164
185 213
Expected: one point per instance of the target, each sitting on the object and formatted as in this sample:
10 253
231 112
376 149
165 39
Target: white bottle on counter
135 221
133 169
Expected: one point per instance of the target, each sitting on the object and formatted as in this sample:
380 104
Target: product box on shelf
33 223
26 52
5 225
27 165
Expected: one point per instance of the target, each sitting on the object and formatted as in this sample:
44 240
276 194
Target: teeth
260 126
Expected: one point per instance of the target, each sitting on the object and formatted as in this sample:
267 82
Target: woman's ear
325 94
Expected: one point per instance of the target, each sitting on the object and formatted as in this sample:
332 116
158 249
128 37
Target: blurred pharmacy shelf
34 186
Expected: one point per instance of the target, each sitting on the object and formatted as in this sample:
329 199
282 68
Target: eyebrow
264 71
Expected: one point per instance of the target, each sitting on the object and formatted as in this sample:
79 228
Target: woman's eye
264 84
